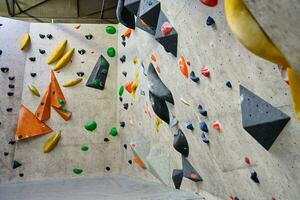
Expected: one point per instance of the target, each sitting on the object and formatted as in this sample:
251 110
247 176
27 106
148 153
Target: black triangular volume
189 171
16 164
124 16
144 27
260 119
149 12
159 107
132 6
169 42
157 87
180 143
98 76
177 176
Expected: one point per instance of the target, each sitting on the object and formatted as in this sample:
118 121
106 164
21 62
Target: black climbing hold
42 51
9 109
228 84
32 59
260 119
122 124
81 51
124 43
169 42
32 74
12 142
11 86
42 36
124 16
159 107
106 140
21 174
5 153
10 94
11 78
180 143
123 37
140 25
203 127
204 138
1 24
157 87
189 126
132 6
193 77
202 111
49 36
210 21
16 164
125 106
123 59
254 177
121 99
4 69
177 176
125 146
189 171
98 76
0 52
89 36
149 12
124 73
107 168
130 162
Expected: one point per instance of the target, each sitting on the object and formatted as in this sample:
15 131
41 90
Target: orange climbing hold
127 33
144 23
29 125
43 111
183 67
153 58
57 97
137 160
128 87
157 69
65 114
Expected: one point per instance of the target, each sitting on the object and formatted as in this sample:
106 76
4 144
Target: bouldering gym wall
180 99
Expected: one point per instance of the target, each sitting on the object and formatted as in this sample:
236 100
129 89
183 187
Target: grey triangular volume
189 171
98 76
169 42
260 119
149 12
180 143
124 16
177 176
132 6
140 25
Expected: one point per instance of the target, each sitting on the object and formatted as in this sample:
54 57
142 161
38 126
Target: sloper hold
159 107
124 16
57 97
98 76
157 87
29 126
260 119
149 12
43 111
169 42
189 171
180 143
177 176
132 6
144 26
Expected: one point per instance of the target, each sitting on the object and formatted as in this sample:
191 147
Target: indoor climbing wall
232 160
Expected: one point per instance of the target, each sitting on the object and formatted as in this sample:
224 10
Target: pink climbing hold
205 71
166 28
216 125
188 62
247 160
210 3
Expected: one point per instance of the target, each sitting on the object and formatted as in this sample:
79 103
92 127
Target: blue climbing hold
228 84
142 92
254 177
204 138
189 126
193 77
203 127
202 111
236 198
210 21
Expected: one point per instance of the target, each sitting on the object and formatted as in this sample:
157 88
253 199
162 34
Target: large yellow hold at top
25 41
58 52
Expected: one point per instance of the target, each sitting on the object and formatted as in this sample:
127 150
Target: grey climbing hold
124 16
149 12
159 107
98 76
189 171
177 177
180 143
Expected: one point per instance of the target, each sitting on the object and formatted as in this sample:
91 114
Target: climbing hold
254 177
185 102
89 36
25 41
111 52
210 21
5 153
106 140
77 170
137 160
32 59
193 77
216 125
34 90
189 171
149 13
123 43
247 160
107 168
72 82
159 107
153 58
180 143
52 141
228 84
134 87
202 111
177 176
204 138
121 99
166 28
125 106
16 164
11 86
124 73
42 36
189 126
84 148
77 26
110 30
81 51
135 60
9 109
158 122
80 74
210 3
42 51
44 108
121 90
32 74
64 113
130 162
123 59
122 124
173 121
49 36
260 119
57 98
0 52
64 60
12 142
142 92
124 16
57 52
90 126
183 67
10 94
113 131
4 69
11 78
205 71
128 87
203 127
127 33
157 69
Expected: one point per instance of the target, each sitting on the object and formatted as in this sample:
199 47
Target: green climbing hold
96 83
110 29
61 102
113 131
77 170
103 62
90 126
111 52
64 110
121 90
84 148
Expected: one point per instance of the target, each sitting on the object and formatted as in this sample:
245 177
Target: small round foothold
130 162
113 131
49 36
89 36
42 36
32 74
21 174
121 99
111 52
107 168
125 146
5 153
106 140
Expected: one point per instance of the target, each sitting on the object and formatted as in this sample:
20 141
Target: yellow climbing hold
158 122
58 52
72 82
25 41
64 60
134 87
294 82
34 90
52 142
135 60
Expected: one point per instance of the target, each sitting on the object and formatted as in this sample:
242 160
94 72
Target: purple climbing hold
204 138
254 177
210 21
203 127
193 77
202 111
189 126
228 84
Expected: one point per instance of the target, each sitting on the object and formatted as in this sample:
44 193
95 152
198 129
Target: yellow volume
25 41
58 52
34 90
64 60
52 142
72 82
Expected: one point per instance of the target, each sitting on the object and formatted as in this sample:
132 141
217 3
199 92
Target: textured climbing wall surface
221 164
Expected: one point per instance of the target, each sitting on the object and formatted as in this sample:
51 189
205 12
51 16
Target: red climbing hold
205 71
210 3
216 125
273 198
166 28
153 58
247 160
188 62
128 87
183 67
77 26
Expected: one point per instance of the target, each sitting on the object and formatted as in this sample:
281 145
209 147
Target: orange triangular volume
57 97
137 160
43 111
29 125
65 114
